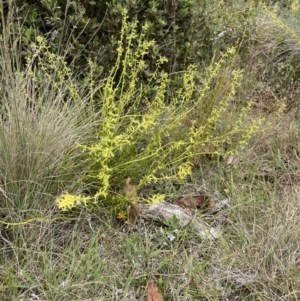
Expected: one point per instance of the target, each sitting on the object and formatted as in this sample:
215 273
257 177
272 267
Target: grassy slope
94 258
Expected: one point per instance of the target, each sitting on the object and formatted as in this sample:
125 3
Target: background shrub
92 28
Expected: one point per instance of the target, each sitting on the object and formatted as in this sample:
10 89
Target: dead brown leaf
132 196
153 293
133 214
194 202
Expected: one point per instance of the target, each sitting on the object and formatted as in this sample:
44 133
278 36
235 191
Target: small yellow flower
68 201
184 171
156 199
122 215
40 39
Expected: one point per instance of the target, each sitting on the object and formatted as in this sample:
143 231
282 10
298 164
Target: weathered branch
164 211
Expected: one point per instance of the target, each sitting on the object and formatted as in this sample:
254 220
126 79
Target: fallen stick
164 211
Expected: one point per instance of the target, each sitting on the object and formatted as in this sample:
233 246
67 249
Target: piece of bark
166 211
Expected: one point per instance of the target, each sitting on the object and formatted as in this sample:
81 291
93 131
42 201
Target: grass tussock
41 124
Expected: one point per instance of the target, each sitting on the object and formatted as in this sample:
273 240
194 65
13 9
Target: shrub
186 31
142 137
90 29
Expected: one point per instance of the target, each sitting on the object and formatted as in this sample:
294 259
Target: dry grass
258 251
90 256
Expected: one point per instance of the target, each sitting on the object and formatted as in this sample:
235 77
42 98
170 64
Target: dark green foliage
82 29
